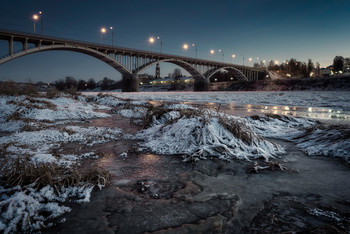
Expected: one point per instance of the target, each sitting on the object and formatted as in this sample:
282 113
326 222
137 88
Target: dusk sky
264 29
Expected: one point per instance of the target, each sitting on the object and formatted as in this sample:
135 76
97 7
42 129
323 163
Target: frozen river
321 105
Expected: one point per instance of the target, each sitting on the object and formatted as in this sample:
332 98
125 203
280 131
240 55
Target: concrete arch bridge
129 62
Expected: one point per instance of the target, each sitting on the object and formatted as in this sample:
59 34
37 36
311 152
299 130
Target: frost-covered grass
17 111
312 137
198 134
326 140
36 176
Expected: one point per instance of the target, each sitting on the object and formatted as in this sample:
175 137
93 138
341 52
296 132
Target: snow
326 99
326 140
200 137
24 208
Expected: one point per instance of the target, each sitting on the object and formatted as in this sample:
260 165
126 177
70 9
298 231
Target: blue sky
267 29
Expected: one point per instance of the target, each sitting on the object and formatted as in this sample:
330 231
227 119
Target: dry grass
52 93
11 88
238 129
21 171
156 112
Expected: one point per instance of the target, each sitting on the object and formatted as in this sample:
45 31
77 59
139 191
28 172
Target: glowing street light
250 59
152 40
212 51
232 57
186 47
103 30
35 17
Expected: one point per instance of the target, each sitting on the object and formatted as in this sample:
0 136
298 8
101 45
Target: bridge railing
117 48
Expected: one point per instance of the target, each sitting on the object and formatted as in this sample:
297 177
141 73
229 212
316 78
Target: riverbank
155 162
316 84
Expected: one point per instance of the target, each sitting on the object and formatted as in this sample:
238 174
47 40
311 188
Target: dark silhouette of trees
82 85
91 84
60 85
310 67
338 63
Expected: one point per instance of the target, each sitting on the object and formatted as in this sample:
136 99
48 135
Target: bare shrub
9 88
52 93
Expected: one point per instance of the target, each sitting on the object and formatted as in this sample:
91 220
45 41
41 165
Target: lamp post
222 55
35 17
111 28
103 31
152 40
212 52
186 46
243 58
41 23
195 45
232 57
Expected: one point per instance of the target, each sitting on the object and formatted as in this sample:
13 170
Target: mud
161 194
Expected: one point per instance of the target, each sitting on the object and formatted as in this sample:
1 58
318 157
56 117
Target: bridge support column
11 46
202 85
130 83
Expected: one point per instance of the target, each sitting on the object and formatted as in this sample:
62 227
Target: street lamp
243 58
103 31
212 52
152 40
41 23
232 57
35 17
111 28
186 46
222 54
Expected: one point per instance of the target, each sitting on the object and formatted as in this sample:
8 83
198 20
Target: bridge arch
188 67
84 50
237 73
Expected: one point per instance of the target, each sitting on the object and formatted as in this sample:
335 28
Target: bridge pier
202 85
130 83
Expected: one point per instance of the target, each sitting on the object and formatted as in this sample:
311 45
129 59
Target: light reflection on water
309 112
249 109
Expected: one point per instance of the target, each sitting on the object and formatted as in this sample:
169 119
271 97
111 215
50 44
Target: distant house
171 80
325 72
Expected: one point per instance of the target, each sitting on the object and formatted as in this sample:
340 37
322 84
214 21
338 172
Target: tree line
70 83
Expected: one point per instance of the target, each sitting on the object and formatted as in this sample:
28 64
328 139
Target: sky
264 29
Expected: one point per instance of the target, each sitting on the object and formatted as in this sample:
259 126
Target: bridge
129 62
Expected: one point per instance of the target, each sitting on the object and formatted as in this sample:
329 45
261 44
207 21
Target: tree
60 85
338 63
91 84
177 73
81 85
310 67
317 69
107 84
71 83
